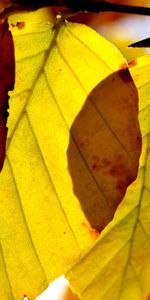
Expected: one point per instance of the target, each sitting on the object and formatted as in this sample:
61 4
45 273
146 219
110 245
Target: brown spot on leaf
94 167
132 63
94 233
19 25
104 163
113 79
123 66
7 79
117 170
121 172
122 184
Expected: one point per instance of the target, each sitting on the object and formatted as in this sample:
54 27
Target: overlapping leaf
7 81
118 266
42 227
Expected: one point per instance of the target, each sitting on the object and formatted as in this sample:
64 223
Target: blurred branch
141 44
87 6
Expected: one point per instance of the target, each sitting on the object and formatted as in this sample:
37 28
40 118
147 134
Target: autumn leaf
119 262
7 79
43 229
109 146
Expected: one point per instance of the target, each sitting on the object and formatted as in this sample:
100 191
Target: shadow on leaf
104 147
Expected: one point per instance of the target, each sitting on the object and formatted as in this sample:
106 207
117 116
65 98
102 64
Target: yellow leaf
118 265
41 224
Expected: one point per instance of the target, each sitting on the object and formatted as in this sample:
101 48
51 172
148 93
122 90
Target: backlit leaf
109 146
43 230
118 265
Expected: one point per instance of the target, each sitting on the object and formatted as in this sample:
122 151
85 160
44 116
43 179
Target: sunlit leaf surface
118 266
42 227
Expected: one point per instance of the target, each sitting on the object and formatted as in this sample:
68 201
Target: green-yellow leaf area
118 265
41 222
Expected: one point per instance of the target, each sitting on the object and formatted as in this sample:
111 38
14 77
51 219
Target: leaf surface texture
43 229
118 266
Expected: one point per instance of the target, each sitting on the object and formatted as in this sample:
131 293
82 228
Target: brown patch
124 75
94 167
123 184
106 162
100 165
113 79
95 164
132 63
19 25
121 173
94 233
117 170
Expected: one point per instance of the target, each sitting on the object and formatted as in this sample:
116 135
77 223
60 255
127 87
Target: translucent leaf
118 265
43 229
109 146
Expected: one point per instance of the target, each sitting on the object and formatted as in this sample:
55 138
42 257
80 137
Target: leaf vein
134 230
25 222
6 272
97 276
71 70
88 48
51 181
75 143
